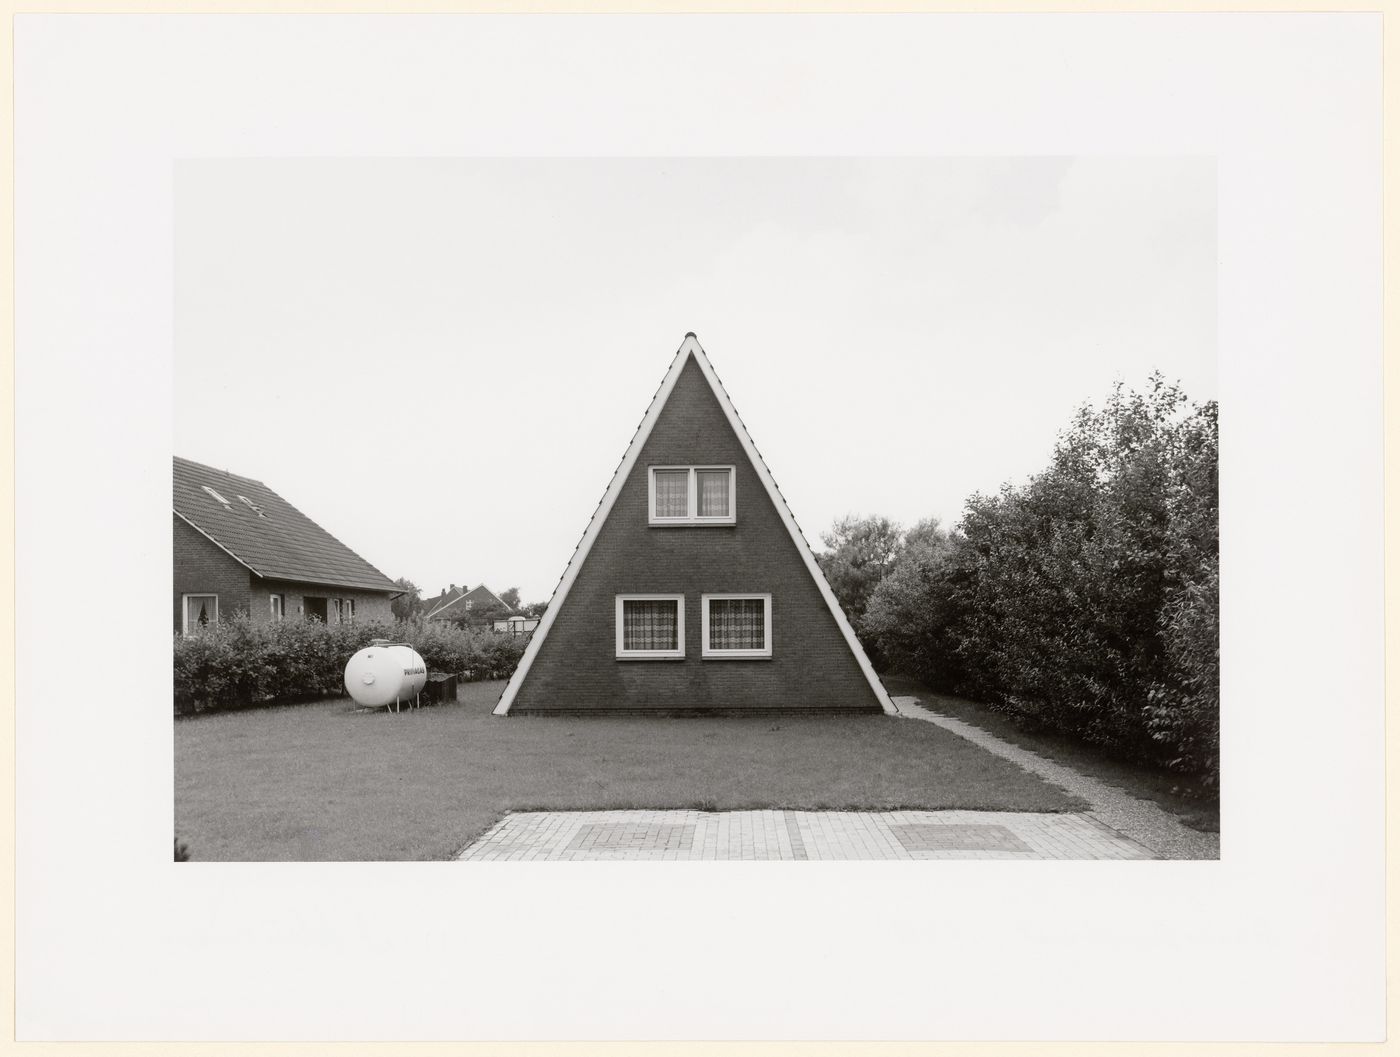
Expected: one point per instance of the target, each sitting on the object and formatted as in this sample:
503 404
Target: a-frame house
693 589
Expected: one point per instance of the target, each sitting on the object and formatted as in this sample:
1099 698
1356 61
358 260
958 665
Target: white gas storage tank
385 673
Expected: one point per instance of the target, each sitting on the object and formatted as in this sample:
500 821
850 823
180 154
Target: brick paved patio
692 835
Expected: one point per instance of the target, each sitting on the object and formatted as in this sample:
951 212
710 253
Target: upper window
200 612
650 627
691 495
736 627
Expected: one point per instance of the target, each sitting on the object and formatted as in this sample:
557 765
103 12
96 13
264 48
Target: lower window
650 627
200 611
736 627
276 604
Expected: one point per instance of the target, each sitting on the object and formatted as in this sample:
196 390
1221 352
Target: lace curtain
649 624
202 611
714 492
736 624
672 493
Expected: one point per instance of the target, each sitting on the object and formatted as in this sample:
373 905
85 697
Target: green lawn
321 781
1197 807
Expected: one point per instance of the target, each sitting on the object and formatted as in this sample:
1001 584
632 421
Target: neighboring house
240 547
693 589
462 602
516 625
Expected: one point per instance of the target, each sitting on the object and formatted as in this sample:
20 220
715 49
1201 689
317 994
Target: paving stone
810 835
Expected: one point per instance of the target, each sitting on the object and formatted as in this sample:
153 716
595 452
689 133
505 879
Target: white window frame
185 608
277 606
678 654
692 517
766 653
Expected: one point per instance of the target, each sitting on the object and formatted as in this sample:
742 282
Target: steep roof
264 532
690 349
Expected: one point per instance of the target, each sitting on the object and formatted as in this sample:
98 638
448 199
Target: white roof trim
689 347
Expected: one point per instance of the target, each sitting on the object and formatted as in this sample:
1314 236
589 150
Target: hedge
239 664
1086 600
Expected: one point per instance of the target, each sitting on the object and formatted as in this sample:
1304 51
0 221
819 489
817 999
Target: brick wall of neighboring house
812 666
369 605
201 567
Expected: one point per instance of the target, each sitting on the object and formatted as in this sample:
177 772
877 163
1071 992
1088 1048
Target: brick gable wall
202 568
812 666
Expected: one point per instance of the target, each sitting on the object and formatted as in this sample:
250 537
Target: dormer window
217 496
690 495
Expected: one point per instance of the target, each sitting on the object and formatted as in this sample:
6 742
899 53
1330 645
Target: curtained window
672 490
737 626
201 611
650 626
691 495
713 488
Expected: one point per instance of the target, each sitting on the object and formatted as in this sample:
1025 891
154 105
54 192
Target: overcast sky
442 361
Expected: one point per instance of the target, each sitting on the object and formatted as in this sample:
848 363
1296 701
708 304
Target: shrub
1086 600
860 551
911 617
237 664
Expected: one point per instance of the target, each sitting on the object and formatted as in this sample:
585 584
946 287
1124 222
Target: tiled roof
266 533
479 595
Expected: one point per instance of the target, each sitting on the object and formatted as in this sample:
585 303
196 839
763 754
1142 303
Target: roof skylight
217 496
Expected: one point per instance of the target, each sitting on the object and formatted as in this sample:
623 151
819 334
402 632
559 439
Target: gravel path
1140 820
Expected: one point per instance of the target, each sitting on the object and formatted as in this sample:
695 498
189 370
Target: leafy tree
860 552
407 605
535 609
913 613
927 535
511 597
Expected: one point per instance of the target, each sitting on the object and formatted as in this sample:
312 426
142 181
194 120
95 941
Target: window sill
720 522
738 655
651 656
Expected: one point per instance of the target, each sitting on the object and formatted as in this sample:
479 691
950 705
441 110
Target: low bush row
239 664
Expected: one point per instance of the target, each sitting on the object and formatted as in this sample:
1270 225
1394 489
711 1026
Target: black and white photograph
699 527
988 384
